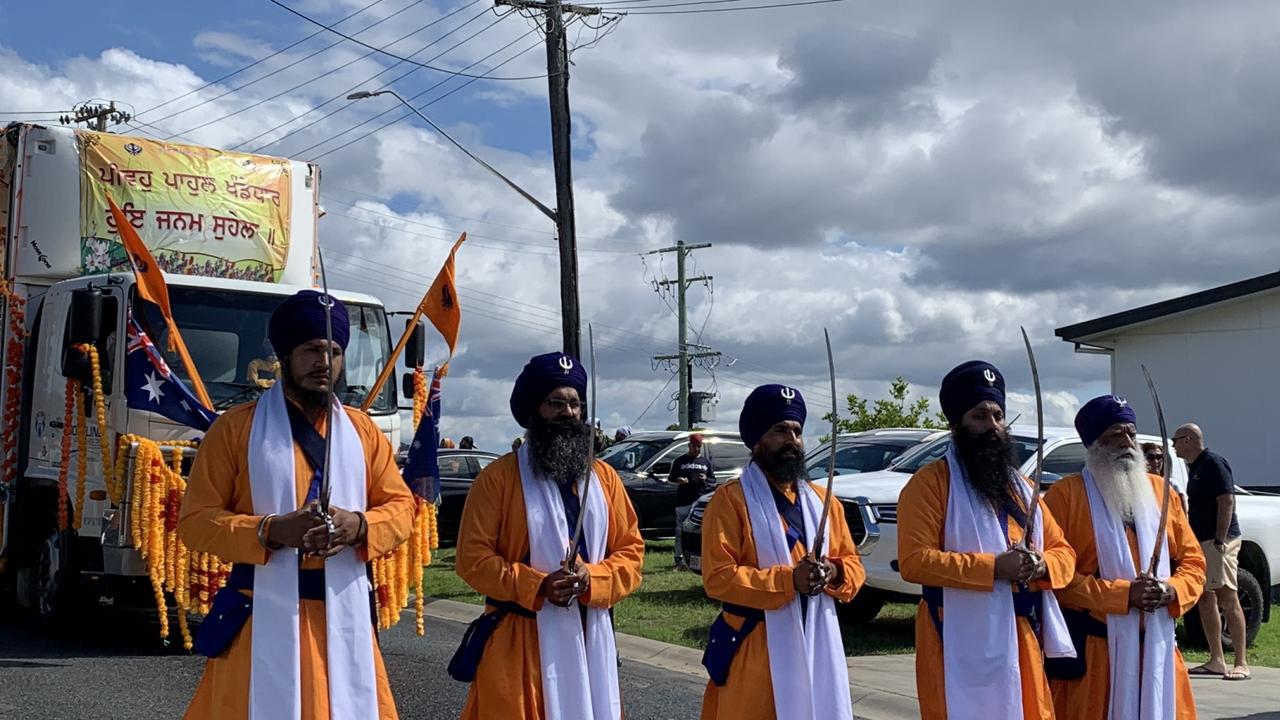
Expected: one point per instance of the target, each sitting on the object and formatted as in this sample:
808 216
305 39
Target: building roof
1155 311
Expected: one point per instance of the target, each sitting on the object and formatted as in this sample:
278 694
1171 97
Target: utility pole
562 156
683 357
98 115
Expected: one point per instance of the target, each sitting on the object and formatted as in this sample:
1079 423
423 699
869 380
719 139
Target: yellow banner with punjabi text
200 211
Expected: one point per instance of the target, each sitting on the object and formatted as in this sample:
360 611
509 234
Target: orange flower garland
115 491
11 420
82 457
64 467
419 395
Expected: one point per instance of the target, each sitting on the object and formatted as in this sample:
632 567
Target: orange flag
440 304
152 288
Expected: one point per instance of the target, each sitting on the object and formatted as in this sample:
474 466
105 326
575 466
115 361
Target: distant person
515 444
446 444
622 433
692 473
1211 503
467 443
1154 455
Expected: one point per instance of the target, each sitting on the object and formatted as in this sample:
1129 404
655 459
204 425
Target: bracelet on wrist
264 526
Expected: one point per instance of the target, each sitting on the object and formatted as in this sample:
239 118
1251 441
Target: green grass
671 607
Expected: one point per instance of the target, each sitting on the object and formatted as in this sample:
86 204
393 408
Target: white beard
1121 478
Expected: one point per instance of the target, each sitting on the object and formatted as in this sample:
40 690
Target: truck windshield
226 333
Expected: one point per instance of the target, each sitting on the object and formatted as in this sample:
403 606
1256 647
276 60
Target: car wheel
56 587
864 607
1251 601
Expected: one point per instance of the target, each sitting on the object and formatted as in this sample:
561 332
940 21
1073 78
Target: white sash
1140 689
807 665
979 631
275 685
579 665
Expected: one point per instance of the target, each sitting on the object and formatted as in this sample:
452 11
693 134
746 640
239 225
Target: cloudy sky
919 178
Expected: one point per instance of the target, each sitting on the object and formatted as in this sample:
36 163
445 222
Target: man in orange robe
1123 497
766 604
528 593
217 516
973 401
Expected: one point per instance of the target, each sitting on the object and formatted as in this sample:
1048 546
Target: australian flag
421 468
151 385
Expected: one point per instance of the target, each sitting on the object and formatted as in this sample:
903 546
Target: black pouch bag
227 615
466 659
1078 625
722 645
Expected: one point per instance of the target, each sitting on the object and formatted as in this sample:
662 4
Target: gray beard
1121 479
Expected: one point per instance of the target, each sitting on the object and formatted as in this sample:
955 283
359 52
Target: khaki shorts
1221 567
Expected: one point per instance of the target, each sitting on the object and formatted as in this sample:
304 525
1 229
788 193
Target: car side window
455 466
1065 460
662 468
481 462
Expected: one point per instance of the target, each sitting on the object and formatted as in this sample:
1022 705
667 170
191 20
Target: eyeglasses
1176 438
561 405
1155 456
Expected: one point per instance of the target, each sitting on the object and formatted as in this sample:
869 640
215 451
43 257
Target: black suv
458 469
644 460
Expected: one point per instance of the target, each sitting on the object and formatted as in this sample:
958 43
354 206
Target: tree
888 413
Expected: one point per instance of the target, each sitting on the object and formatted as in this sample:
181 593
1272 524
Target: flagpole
395 355
197 384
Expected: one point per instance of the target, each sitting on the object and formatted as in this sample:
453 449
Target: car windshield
226 333
859 457
629 455
922 455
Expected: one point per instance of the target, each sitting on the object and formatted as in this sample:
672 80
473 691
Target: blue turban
967 385
301 319
1101 413
767 406
542 376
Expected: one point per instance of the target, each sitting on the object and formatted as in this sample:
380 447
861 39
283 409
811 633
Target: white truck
1064 454
235 233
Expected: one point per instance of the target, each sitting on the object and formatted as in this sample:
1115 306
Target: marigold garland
9 424
82 457
64 467
419 395
115 491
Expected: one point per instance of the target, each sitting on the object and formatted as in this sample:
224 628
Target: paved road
116 668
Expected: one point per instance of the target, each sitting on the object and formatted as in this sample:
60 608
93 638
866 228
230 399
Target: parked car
644 460
858 452
458 468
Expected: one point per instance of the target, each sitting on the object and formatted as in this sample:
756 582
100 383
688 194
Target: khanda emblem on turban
989 376
566 365
1119 400
788 394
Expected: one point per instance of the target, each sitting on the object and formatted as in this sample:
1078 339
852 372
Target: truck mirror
84 320
407 385
415 352
76 365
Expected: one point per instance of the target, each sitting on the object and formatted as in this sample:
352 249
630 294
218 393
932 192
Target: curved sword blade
1025 542
831 463
570 557
1168 480
325 483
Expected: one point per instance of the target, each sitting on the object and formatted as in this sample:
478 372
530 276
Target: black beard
784 465
308 399
559 448
988 459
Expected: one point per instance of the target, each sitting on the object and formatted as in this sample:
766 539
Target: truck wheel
864 607
56 585
1251 601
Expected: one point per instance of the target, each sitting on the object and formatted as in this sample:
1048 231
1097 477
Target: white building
1215 359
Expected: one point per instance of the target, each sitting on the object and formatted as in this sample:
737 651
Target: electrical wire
255 63
642 11
369 79
279 70
454 73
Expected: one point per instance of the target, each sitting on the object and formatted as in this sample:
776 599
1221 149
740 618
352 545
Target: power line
255 63
455 73
33 112
369 79
642 11
277 71
406 114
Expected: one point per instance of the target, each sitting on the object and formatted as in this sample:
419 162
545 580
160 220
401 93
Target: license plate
695 563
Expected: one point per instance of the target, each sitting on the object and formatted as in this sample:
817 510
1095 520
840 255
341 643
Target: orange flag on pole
440 304
152 288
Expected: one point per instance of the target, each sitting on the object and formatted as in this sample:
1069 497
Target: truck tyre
864 607
56 587
1251 601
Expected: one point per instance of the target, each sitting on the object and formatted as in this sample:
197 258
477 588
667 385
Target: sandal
1204 670
1237 674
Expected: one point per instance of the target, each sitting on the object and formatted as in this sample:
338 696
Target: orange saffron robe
493 541
217 517
1088 697
922 513
730 574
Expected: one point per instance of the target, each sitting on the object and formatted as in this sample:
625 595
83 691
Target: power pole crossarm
683 355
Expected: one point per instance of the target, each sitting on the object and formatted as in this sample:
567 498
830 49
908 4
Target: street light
363 94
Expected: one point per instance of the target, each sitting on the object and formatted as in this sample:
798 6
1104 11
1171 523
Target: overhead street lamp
568 248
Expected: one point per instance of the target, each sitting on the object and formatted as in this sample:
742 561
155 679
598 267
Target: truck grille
887 513
853 516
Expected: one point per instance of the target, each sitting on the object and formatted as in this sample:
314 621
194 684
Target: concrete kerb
883 687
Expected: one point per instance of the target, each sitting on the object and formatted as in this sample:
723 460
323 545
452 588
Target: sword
570 556
1168 482
326 487
1025 543
816 553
